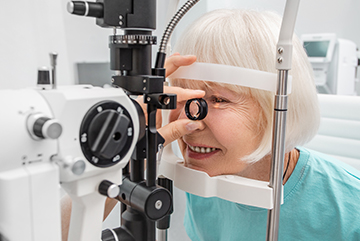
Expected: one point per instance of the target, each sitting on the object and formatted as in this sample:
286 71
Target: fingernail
191 126
199 91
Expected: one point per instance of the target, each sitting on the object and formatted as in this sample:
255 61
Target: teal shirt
321 202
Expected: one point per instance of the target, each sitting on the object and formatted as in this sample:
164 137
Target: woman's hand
176 128
179 127
173 62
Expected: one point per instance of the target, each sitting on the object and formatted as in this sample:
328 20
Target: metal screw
279 60
144 88
121 17
280 50
148 99
121 23
158 204
116 158
112 80
144 81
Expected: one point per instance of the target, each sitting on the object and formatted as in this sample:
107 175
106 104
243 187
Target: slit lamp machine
94 141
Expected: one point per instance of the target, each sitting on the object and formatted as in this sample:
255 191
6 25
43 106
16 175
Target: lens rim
203 109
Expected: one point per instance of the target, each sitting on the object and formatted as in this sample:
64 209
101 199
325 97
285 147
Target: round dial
106 134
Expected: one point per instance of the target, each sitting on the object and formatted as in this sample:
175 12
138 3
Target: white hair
248 38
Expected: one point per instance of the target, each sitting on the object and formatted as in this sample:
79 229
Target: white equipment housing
31 168
29 182
334 62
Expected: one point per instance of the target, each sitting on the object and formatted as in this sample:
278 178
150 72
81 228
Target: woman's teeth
201 149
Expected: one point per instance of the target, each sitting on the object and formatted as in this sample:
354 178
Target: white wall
340 17
85 41
30 30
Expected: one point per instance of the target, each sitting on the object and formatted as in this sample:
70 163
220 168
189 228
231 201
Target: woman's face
228 133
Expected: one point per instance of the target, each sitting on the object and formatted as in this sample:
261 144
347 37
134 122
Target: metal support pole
162 235
283 64
278 154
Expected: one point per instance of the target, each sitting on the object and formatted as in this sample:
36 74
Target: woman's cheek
225 125
219 119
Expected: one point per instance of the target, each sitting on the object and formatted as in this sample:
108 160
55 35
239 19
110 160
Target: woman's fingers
179 128
184 94
176 60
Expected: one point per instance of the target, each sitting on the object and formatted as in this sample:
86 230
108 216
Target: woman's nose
202 123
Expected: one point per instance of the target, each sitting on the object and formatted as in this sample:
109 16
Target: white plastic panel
230 75
14 185
336 146
29 199
17 146
349 129
340 107
229 187
45 205
339 132
350 161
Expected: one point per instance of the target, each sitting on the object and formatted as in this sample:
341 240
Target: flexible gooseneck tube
160 58
283 64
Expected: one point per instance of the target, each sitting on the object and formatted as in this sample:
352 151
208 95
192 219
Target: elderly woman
321 195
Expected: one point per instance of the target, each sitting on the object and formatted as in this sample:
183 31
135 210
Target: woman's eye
218 100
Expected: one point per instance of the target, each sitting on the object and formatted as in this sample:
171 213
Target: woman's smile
200 151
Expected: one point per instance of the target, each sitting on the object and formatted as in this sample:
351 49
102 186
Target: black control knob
109 189
106 134
42 127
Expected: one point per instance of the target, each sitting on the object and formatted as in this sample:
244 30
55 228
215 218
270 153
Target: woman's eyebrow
225 93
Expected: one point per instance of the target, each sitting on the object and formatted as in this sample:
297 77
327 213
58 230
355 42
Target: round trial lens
196 109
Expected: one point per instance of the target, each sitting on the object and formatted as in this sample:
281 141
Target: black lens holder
200 111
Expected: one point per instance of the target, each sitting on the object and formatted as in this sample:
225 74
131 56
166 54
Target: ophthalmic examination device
94 142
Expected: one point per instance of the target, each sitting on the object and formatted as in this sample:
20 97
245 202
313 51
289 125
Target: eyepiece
89 9
196 109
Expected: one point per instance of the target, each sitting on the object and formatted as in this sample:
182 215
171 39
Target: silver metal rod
162 235
283 64
278 154
53 57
